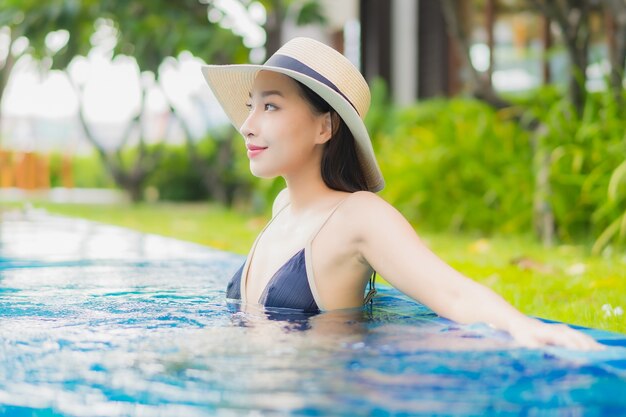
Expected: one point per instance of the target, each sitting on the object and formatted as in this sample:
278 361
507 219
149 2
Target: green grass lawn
562 283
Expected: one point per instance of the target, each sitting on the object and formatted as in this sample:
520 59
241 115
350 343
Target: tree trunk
543 216
131 180
479 86
578 51
572 16
274 26
5 73
615 12
212 181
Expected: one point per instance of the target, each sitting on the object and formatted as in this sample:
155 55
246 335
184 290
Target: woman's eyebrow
269 93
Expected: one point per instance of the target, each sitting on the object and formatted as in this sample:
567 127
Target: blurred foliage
458 164
88 171
454 164
588 165
175 180
302 12
378 118
148 31
156 33
152 33
155 30
311 12
36 20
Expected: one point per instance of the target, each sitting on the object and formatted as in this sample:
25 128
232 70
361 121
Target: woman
301 115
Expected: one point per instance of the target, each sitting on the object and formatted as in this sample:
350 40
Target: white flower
576 269
610 311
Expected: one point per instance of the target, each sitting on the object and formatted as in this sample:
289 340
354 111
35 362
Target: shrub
174 177
87 171
588 166
458 164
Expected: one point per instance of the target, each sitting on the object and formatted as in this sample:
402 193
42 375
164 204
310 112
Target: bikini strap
282 208
372 284
369 298
319 229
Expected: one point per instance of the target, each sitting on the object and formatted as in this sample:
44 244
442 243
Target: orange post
6 169
19 170
25 171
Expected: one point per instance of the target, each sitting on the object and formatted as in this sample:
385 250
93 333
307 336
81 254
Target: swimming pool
97 320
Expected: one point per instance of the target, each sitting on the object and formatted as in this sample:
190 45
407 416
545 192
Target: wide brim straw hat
321 68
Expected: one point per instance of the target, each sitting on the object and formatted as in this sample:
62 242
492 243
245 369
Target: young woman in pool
301 116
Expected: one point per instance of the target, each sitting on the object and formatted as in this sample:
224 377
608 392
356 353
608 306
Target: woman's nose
248 128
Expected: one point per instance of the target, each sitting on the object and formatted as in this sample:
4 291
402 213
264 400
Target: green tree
304 13
141 34
150 32
35 20
153 32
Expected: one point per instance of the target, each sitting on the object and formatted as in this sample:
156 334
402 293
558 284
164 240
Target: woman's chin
261 173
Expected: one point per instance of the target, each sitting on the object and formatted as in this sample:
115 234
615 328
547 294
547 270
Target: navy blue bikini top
292 286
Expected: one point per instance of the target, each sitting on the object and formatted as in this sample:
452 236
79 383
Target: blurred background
494 116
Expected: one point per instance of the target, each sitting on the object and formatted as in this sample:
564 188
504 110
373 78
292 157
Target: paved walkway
65 195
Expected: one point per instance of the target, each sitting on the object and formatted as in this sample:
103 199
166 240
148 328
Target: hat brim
231 85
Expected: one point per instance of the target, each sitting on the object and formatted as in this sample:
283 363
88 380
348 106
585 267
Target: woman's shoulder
356 203
365 206
360 213
365 199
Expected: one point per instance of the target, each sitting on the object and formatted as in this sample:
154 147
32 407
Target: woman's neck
306 190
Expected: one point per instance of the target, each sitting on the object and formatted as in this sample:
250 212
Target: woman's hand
533 333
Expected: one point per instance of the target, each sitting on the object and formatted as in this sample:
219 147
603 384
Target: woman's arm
390 245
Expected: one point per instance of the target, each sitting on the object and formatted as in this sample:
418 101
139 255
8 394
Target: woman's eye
266 107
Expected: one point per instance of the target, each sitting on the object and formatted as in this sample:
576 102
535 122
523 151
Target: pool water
97 320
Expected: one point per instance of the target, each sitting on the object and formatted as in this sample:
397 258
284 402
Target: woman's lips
254 150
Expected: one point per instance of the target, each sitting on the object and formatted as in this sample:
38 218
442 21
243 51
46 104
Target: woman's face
282 133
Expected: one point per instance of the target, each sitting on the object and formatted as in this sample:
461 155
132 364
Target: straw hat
323 70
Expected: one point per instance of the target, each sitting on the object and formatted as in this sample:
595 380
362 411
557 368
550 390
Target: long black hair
340 163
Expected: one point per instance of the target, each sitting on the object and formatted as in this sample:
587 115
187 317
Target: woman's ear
330 123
